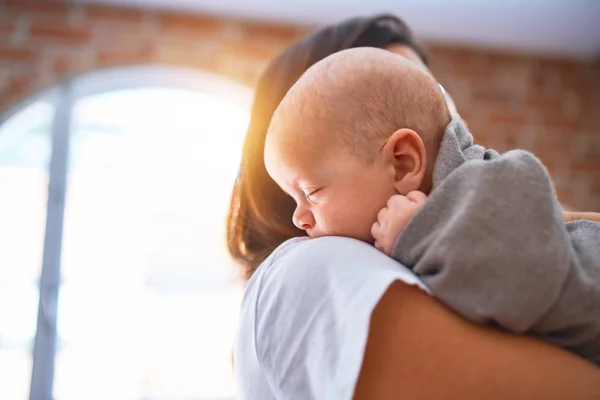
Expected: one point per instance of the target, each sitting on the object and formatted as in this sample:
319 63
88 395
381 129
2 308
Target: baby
366 146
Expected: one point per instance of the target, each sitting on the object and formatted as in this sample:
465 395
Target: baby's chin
314 234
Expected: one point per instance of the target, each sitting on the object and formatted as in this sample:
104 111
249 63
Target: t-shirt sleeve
313 311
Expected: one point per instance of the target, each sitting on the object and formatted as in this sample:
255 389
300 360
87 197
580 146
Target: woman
332 318
260 213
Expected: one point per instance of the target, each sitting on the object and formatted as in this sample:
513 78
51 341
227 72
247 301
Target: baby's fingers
382 217
417 196
396 201
379 234
376 230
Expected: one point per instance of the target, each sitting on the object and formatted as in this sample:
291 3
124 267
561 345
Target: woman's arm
419 348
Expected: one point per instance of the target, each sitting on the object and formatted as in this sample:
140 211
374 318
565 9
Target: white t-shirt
305 318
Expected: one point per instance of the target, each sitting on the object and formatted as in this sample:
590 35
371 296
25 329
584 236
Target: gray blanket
490 242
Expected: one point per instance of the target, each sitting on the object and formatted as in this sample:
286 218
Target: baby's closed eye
311 194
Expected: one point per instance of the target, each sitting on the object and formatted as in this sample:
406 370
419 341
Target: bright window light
149 300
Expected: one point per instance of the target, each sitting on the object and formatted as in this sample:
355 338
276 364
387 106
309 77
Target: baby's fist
394 217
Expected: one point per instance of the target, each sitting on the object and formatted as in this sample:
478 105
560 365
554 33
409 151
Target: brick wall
549 106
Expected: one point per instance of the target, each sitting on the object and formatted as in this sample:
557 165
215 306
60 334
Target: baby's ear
405 151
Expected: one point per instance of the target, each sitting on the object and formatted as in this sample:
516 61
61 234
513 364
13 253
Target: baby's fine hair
361 96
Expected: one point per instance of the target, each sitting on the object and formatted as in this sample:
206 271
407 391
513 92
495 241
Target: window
147 298
24 161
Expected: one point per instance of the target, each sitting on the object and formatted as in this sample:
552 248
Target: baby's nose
303 219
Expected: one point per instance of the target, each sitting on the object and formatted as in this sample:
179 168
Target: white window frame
64 96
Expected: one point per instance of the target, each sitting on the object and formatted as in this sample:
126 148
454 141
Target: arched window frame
63 96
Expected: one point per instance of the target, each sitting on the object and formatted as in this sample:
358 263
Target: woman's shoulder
329 258
331 266
319 295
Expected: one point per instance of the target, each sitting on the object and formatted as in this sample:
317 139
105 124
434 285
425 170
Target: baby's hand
393 218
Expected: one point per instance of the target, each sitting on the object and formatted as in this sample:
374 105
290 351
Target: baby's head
357 128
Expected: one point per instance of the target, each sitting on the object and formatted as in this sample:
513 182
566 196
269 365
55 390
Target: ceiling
565 28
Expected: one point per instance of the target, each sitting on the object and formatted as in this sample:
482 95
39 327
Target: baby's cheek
338 221
362 222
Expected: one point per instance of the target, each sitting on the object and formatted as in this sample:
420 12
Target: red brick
61 65
8 100
493 96
253 31
106 35
556 65
17 85
250 49
539 81
548 159
453 54
101 14
138 55
185 56
552 145
546 103
576 81
556 119
585 166
473 73
499 59
507 117
189 24
7 27
60 34
17 54
48 7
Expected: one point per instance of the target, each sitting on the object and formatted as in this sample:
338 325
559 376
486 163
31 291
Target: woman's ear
405 152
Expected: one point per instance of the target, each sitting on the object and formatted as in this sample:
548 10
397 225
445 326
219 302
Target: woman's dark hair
260 213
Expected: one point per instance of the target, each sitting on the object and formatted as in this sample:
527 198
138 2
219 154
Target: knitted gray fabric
490 242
